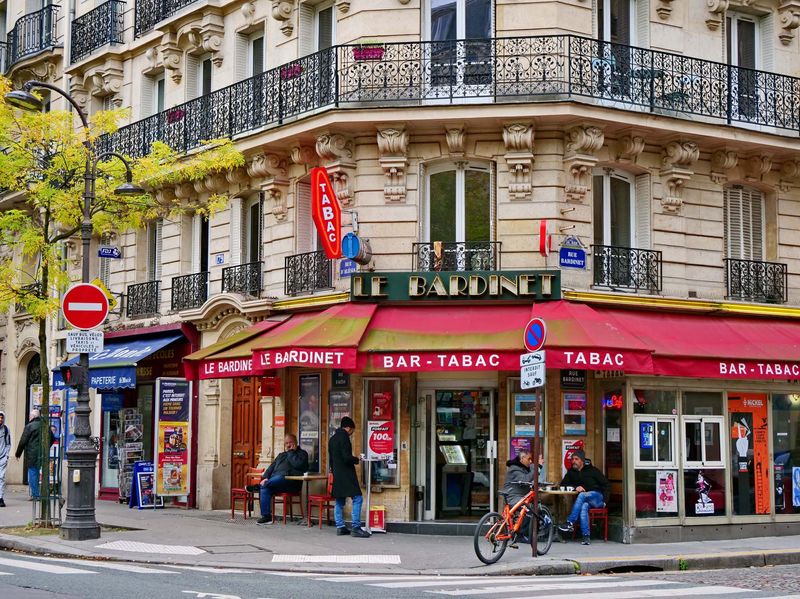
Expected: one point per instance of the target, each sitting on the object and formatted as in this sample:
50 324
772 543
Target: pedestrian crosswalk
20 564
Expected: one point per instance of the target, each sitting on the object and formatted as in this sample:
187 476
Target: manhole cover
233 549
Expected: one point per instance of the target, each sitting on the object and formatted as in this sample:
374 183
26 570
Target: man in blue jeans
292 462
345 482
592 487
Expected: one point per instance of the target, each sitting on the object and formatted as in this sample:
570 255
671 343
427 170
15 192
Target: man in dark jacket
30 444
519 471
292 462
592 487
345 482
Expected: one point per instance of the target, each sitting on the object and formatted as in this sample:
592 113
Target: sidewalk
211 539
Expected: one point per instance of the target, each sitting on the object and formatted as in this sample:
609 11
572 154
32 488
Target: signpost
85 306
109 251
572 254
535 334
84 342
532 370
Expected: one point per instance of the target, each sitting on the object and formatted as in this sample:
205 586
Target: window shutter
242 53
493 201
260 233
159 248
257 55
733 222
597 24
642 23
197 224
104 271
305 39
767 35
325 25
643 209
753 203
422 193
304 225
236 230
147 103
154 248
191 79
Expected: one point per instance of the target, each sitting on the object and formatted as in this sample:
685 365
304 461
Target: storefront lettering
291 357
776 369
241 365
443 361
594 358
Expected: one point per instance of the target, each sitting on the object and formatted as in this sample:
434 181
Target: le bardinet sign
525 285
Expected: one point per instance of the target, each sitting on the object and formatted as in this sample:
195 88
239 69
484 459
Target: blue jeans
33 480
276 484
338 511
580 511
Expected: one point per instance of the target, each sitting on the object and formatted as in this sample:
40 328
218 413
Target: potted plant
368 50
291 71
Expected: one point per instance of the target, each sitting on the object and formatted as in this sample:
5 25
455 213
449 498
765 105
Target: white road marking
41 567
136 547
220 570
514 581
672 592
337 559
108 565
572 585
85 306
211 595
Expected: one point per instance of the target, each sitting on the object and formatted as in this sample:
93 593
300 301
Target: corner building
625 169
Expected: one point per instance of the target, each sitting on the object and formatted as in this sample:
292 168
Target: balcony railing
96 28
451 256
307 273
143 299
519 69
757 281
627 268
31 34
244 279
189 291
148 13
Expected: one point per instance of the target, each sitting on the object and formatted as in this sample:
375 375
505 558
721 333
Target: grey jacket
517 473
5 441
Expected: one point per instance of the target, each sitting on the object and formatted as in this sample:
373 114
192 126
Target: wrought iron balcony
457 256
244 279
307 273
627 268
148 13
189 291
517 69
31 34
757 281
96 28
144 299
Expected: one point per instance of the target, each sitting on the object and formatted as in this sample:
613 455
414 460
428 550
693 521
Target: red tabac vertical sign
326 212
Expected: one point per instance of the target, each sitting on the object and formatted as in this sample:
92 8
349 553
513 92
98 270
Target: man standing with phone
345 482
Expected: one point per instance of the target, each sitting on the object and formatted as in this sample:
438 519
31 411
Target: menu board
173 430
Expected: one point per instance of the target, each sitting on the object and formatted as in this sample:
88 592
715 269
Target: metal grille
757 281
517 69
144 299
627 268
189 291
307 273
149 12
455 256
244 279
31 34
98 27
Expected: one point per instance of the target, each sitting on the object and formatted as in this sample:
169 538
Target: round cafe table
562 503
306 478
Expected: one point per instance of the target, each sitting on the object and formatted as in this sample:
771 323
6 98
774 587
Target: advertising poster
308 432
750 452
340 404
666 497
381 406
796 486
519 444
574 413
569 447
380 439
525 415
173 437
145 490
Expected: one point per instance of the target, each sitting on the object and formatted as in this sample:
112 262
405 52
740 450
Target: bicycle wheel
546 530
488 547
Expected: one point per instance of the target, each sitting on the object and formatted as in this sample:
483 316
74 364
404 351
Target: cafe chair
324 502
252 477
288 501
243 496
596 514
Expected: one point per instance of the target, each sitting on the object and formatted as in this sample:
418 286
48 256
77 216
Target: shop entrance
246 430
457 453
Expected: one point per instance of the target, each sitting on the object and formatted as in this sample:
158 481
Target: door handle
239 454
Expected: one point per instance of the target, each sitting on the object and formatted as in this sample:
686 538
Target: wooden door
246 429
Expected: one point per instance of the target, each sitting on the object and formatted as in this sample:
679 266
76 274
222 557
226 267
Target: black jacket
289 463
30 443
590 478
343 465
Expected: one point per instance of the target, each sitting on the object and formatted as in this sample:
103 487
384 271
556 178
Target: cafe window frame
638 463
704 464
365 409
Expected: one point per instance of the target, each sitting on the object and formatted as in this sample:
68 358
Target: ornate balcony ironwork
148 13
627 268
144 299
757 281
189 291
457 256
307 273
32 33
518 69
96 28
244 279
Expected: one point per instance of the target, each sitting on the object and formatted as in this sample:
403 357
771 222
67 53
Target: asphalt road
29 577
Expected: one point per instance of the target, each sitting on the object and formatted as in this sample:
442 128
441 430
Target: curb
709 561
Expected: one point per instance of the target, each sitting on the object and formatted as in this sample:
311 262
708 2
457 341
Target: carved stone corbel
154 61
455 135
518 140
790 173
304 155
337 154
754 167
679 157
716 12
207 36
39 71
172 56
273 169
664 9
184 191
276 191
628 148
248 11
722 161
81 96
789 12
393 158
282 11
106 81
343 6
238 176
582 143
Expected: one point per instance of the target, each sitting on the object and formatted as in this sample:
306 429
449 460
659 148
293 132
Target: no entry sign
85 306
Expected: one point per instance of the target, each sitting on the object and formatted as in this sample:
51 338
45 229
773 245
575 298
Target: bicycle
495 531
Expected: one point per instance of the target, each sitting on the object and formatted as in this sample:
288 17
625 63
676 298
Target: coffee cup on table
570 488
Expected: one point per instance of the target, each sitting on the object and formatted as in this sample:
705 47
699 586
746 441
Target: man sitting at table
292 462
592 487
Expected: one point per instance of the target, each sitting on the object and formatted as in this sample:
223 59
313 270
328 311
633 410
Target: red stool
599 514
288 500
325 502
244 496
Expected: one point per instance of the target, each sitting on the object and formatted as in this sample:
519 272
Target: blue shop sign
347 268
571 257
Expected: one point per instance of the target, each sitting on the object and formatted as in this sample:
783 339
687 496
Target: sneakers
566 528
342 532
263 520
586 541
360 533
2 503
253 488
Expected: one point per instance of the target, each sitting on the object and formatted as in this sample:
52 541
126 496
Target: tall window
201 246
153 91
743 212
741 40
256 55
324 26
252 241
614 209
198 76
104 267
749 45
460 19
154 250
459 203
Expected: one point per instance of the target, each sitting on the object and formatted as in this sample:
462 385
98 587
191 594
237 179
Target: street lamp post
80 523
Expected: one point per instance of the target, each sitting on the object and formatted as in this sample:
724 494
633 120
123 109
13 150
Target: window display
750 476
382 399
308 425
786 451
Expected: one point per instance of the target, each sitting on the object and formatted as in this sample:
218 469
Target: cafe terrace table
562 504
306 478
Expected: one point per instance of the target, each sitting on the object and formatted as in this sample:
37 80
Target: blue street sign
109 251
569 257
351 245
347 267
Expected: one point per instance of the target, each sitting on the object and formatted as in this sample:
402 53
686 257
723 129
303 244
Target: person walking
345 482
592 487
5 452
293 461
30 444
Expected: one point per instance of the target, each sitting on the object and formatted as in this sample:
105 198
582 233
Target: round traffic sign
85 306
535 334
